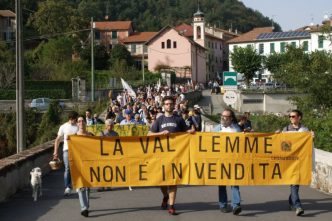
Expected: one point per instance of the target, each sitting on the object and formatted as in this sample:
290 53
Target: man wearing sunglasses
295 125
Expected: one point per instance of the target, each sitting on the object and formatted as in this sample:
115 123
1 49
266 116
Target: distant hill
152 15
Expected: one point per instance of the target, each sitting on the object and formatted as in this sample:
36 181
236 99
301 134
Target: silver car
42 104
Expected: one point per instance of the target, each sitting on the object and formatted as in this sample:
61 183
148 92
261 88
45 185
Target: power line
48 36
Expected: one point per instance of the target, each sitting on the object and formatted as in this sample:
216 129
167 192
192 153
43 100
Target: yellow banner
122 130
191 159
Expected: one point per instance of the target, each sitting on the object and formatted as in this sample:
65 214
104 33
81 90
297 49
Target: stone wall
322 177
15 170
263 102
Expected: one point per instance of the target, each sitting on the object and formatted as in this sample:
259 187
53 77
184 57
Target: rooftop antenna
312 20
107 10
272 22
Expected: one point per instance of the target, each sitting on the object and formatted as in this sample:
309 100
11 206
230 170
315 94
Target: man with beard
166 124
228 123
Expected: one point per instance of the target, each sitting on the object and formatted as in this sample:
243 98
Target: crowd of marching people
164 110
145 106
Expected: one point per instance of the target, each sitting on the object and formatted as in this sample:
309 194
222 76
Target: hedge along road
7 106
143 204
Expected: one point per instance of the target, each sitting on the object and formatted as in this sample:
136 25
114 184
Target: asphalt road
193 203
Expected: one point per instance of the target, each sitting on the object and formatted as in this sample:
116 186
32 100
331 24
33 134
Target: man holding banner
164 125
228 123
295 125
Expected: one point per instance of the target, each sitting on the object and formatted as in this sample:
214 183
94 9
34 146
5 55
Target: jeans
67 177
294 198
83 196
236 197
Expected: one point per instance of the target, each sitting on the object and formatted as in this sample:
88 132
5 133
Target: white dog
36 182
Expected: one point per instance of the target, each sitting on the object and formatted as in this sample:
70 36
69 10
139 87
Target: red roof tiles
139 37
7 13
113 25
251 35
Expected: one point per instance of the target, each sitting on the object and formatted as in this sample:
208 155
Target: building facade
7 25
213 39
266 42
171 50
135 44
212 53
110 33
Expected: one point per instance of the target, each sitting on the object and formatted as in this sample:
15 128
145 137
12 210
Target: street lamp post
143 62
20 137
92 63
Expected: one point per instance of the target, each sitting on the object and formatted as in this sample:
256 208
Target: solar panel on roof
281 35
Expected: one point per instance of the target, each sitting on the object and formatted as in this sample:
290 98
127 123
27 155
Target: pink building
171 50
196 51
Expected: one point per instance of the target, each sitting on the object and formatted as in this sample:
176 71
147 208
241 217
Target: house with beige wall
109 33
7 25
135 44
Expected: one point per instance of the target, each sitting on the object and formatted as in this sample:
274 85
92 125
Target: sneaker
85 213
67 191
224 209
164 202
299 211
130 189
172 211
237 210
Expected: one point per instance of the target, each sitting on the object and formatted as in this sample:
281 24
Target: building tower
199 27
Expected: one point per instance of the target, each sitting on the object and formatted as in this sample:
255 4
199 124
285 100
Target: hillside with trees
147 15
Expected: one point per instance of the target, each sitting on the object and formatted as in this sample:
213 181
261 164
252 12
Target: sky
292 14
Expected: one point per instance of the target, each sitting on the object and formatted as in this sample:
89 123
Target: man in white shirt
65 130
228 123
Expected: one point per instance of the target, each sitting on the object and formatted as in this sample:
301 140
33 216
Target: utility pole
143 62
92 63
20 136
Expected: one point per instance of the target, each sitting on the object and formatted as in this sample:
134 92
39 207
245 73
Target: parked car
43 103
268 85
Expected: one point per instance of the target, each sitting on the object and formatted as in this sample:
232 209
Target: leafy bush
48 127
320 123
31 94
8 131
268 123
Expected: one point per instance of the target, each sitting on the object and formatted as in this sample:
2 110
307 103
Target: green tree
44 62
120 69
55 16
274 62
7 67
49 123
120 53
310 74
246 61
101 57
